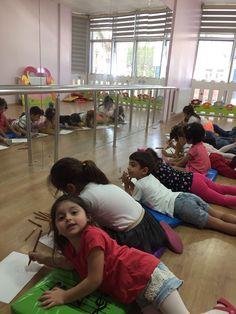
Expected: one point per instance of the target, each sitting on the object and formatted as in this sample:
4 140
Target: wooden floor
207 264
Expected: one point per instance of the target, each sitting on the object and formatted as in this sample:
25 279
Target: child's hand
37 257
125 178
52 297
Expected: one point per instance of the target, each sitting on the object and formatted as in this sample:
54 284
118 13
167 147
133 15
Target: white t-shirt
193 119
111 206
150 192
212 150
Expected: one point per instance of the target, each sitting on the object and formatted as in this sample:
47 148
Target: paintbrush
35 245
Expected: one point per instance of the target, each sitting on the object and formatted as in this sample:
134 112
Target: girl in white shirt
112 208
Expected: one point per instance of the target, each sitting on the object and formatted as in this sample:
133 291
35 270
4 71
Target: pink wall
27 40
184 44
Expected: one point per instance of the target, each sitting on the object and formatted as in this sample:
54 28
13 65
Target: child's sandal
225 307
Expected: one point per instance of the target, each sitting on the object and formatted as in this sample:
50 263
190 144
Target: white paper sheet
15 274
85 128
47 240
3 147
19 140
64 132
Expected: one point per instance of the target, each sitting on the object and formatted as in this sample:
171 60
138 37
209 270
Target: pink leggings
212 192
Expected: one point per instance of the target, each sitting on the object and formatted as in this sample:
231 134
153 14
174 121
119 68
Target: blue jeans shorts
162 283
191 209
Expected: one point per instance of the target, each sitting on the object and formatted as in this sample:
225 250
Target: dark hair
50 113
3 103
75 118
194 132
176 132
73 171
189 111
35 110
144 159
154 155
59 240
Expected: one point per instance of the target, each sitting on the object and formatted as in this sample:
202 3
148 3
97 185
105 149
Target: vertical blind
219 19
154 24
80 44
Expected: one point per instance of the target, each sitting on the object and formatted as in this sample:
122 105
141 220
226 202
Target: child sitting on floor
188 207
4 124
197 159
125 274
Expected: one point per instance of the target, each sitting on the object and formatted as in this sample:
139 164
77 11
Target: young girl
117 212
185 206
217 157
126 274
196 183
197 159
191 116
4 124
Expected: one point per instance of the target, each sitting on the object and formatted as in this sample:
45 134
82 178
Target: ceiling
112 6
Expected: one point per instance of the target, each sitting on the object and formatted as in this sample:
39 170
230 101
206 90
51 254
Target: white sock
214 312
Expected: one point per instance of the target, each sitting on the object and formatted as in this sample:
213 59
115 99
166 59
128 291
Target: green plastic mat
96 303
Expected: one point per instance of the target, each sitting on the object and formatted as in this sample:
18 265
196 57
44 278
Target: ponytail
73 171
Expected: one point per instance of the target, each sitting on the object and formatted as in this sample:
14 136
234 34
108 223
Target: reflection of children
126 274
19 125
185 206
72 121
4 124
117 212
107 108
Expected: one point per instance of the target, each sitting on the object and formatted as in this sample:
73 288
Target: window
213 61
122 58
149 56
122 43
217 37
101 57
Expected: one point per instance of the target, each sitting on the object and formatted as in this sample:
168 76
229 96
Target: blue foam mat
212 174
173 222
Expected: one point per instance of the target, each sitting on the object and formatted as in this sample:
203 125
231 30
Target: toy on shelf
37 76
217 109
195 102
79 97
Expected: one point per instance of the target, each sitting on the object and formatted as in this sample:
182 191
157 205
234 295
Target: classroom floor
208 261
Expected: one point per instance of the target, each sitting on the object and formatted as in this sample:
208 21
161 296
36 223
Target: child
117 212
108 109
191 116
196 183
185 206
197 159
180 147
20 125
72 121
4 124
125 274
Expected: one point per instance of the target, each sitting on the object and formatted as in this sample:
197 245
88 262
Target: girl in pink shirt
197 159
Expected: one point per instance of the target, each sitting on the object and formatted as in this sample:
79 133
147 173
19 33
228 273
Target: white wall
29 35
